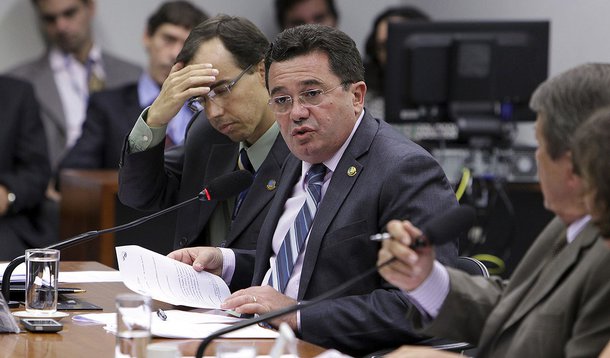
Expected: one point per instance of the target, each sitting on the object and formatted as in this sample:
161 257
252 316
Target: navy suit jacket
395 179
111 115
24 170
147 181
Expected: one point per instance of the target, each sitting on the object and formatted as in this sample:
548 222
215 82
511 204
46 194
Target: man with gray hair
556 302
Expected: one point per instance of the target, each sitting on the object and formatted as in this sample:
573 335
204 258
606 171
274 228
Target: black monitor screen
442 70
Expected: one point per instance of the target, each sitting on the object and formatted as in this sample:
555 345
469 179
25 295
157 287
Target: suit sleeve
30 170
150 180
477 293
415 188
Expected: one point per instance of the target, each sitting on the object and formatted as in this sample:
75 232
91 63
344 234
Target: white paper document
164 279
183 324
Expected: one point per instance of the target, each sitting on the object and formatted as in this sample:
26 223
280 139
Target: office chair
471 266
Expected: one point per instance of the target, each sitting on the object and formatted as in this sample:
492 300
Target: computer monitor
441 71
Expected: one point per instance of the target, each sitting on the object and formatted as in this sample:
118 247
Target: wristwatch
11 198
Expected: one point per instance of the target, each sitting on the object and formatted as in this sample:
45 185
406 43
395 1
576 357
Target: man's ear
260 69
358 90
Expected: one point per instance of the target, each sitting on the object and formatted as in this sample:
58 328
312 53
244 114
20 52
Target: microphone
220 188
438 230
441 229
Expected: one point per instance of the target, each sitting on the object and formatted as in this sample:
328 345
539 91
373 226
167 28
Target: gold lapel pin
351 171
271 185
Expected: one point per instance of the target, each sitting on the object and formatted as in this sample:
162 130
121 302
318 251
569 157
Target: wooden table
78 340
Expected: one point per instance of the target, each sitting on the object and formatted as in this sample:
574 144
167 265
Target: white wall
578 28
120 24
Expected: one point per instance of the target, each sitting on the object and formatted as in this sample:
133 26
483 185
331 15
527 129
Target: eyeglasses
219 94
307 99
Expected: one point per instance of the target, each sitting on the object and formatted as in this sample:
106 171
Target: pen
161 315
70 290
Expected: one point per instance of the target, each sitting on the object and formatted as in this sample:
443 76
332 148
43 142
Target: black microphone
220 188
438 230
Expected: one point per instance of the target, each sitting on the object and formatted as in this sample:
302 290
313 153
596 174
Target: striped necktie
297 234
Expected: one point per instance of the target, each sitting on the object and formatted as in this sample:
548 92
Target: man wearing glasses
220 73
347 175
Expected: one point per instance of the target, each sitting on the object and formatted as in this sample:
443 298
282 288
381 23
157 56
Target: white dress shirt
71 77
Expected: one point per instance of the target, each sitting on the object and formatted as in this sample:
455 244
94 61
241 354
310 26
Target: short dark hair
283 6
180 13
590 150
240 37
565 101
343 56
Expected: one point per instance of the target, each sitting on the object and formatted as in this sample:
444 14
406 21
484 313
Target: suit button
183 241
223 244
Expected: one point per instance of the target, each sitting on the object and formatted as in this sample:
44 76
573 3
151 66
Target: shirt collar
576 227
58 59
258 151
148 90
331 164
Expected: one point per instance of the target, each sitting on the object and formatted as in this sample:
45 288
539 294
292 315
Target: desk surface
77 340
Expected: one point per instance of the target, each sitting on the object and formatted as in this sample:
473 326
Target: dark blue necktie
297 234
243 163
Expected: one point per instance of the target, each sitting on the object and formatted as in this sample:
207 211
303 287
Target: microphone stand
6 278
274 314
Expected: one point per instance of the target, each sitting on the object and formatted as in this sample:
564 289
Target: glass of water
133 325
42 269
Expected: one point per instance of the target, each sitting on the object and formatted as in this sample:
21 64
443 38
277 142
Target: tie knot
244 161
316 174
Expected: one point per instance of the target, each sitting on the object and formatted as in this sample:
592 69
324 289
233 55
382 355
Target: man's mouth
301 131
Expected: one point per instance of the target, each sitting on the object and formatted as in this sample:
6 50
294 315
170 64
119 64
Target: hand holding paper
149 273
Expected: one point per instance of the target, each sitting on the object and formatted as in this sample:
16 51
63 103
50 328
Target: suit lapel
337 193
553 273
291 172
48 95
262 190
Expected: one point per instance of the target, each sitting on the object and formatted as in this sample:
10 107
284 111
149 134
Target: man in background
291 13
72 67
24 171
112 113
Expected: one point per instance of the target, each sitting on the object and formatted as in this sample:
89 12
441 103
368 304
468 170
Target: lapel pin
271 185
351 171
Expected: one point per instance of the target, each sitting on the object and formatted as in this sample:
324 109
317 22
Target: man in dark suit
368 172
24 170
221 69
72 67
112 113
556 302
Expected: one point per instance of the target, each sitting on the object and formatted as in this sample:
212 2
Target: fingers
209 259
183 82
181 255
201 258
